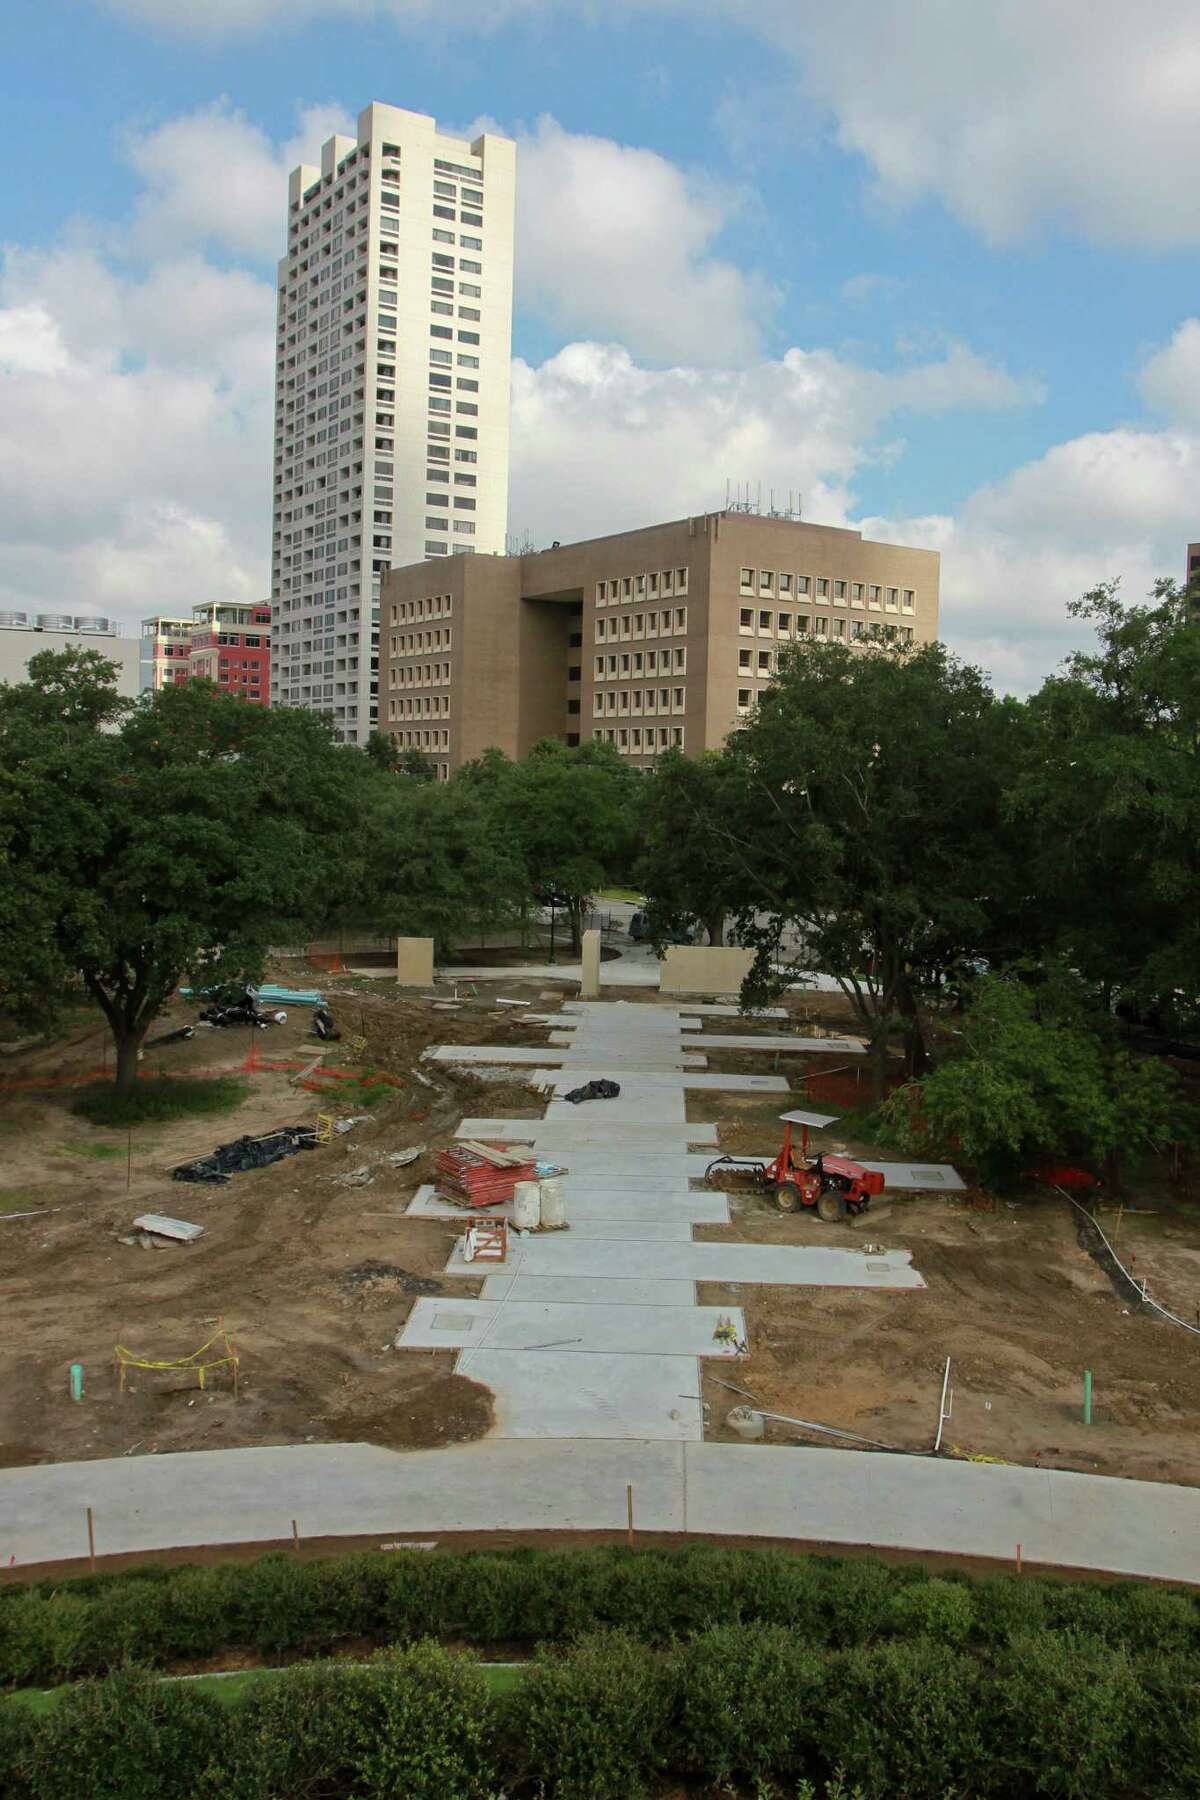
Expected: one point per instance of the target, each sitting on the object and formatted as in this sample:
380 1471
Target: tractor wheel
787 1197
831 1206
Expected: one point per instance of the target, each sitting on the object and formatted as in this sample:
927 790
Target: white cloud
1014 116
616 242
1170 379
1109 504
212 177
30 343
602 443
134 433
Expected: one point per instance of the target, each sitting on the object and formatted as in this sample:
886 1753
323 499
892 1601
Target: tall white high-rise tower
393 347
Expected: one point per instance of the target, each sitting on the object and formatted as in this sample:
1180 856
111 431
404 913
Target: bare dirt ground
314 1278
1013 1298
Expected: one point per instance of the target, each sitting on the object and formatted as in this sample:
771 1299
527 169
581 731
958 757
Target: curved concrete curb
819 1496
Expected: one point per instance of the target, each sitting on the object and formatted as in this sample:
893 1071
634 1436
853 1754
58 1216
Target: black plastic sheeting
247 1153
594 1090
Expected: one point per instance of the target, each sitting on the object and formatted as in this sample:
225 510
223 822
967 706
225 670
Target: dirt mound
445 1409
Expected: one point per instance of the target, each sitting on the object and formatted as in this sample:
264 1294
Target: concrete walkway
816 1496
588 1333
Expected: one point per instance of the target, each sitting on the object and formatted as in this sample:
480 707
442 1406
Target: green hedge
749 1710
282 1607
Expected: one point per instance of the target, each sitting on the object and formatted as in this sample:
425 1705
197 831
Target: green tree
142 845
1037 1074
444 861
867 826
572 814
1107 802
386 754
684 865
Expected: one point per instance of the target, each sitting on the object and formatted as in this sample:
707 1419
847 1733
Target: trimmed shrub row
282 1607
747 1709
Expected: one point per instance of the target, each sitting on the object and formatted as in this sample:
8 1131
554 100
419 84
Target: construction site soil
313 1277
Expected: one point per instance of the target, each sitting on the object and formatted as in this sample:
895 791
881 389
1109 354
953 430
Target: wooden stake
295 1538
1018 1559
91 1541
629 1511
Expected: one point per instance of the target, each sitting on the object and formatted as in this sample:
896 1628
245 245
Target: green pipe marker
77 1381
1087 1396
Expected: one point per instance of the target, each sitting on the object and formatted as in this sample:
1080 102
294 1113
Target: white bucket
527 1205
554 1200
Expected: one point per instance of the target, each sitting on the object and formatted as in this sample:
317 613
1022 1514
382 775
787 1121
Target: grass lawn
621 894
159 1098
230 1690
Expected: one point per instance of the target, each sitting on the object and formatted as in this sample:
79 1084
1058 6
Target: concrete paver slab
582 1133
661 1231
918 1176
619 1204
509 1324
586 1290
722 1009
551 1394
659 1081
772 1045
771 1265
653 1229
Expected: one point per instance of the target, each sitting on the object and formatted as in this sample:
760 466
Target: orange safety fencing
88 1077
316 1076
329 960
252 1064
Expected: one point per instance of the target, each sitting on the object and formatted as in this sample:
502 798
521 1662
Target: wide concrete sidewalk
816 1496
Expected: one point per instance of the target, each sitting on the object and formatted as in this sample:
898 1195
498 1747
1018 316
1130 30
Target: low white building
23 635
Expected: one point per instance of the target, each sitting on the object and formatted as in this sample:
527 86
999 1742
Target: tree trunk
128 1044
915 1055
575 915
879 1051
715 927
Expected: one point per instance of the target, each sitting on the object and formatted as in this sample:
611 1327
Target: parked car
639 931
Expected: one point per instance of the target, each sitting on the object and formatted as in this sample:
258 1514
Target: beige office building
650 639
393 350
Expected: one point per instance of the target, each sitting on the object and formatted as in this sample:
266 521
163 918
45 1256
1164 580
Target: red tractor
834 1185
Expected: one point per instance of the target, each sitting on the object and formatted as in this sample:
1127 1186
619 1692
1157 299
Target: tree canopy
1107 800
570 812
867 820
688 861
146 844
1034 1075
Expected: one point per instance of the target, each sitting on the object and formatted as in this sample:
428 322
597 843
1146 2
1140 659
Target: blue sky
934 267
